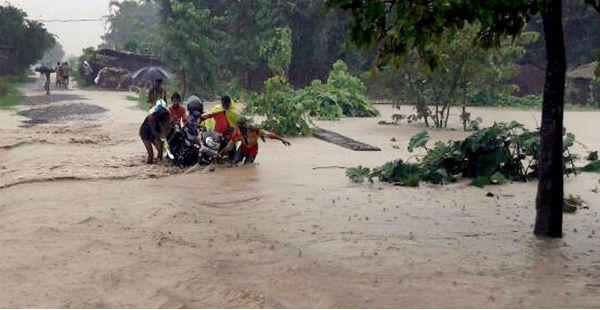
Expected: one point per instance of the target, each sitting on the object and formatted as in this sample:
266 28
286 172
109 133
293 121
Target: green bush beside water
492 155
10 95
288 111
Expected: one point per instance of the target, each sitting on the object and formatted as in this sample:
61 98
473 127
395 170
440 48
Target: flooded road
85 223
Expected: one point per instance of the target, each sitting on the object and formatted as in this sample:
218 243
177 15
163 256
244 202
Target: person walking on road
47 84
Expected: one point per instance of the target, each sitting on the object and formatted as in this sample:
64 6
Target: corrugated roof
583 72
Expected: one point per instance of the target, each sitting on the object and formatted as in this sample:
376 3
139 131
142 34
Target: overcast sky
74 36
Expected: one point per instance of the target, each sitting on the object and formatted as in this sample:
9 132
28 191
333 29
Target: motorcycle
192 144
212 144
183 146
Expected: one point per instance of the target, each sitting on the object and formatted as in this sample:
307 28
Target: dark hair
226 100
176 96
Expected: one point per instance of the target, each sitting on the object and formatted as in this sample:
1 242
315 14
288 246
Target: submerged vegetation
494 155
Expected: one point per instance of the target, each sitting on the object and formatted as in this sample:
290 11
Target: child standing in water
178 112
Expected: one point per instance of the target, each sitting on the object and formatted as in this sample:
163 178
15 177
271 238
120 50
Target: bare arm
206 116
228 148
276 137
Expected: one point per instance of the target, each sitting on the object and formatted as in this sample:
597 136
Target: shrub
288 111
492 155
348 92
284 115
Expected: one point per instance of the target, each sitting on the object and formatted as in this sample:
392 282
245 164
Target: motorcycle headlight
210 142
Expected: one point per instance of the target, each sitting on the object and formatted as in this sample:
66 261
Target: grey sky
74 36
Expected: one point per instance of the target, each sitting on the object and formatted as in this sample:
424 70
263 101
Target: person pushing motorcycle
248 133
222 119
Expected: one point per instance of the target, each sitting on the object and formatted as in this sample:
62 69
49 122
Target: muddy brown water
84 223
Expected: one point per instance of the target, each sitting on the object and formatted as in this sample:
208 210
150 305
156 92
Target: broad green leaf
591 167
481 182
418 140
358 174
498 178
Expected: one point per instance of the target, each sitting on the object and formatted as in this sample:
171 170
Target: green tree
318 39
395 27
240 30
278 51
132 26
244 29
29 38
464 72
188 33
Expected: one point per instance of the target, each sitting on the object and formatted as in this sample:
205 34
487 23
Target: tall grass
10 95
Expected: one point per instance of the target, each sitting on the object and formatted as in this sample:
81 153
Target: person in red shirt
219 114
248 134
224 116
178 112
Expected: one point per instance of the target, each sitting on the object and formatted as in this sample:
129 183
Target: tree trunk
464 104
424 112
437 115
549 202
447 115
184 82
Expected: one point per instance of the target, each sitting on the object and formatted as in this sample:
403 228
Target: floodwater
85 223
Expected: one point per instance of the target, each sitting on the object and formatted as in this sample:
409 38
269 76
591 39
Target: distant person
47 84
58 75
65 74
156 92
87 70
178 112
248 134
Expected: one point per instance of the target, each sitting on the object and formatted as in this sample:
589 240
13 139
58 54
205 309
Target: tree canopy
29 38
465 74
395 27
230 42
132 26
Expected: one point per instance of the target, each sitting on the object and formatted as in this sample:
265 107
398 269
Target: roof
583 72
127 55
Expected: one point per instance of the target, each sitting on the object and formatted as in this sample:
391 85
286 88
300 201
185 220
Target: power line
76 20
101 19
